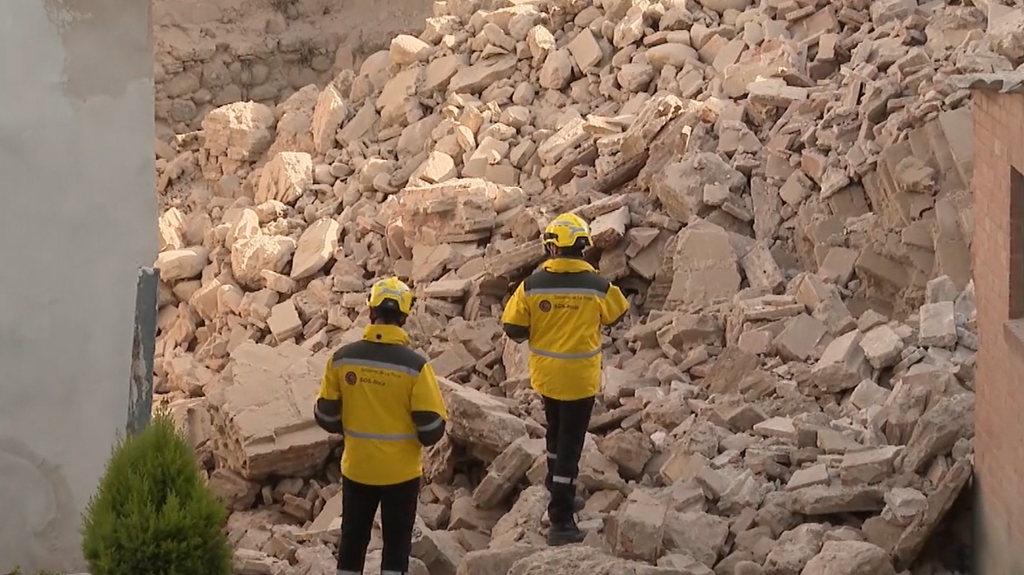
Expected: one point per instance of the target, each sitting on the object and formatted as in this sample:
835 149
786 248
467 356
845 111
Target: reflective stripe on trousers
557 355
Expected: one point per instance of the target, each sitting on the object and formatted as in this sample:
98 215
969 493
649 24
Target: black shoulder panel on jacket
343 352
382 352
577 280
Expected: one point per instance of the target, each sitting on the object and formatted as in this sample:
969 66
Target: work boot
565 533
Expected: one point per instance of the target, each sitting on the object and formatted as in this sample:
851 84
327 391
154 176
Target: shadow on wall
36 499
994 552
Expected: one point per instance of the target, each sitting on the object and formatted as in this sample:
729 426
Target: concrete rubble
782 190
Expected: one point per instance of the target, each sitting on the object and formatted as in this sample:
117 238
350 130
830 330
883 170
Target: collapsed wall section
776 191
212 53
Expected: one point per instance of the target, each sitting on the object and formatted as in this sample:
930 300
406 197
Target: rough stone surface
778 187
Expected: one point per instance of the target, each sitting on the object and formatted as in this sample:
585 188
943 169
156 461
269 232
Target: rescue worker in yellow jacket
384 398
560 310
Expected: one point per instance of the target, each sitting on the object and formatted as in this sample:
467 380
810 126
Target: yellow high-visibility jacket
560 309
387 398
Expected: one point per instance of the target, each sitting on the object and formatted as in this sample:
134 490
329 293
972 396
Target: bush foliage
153 513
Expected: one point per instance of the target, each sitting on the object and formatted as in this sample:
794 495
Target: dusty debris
775 186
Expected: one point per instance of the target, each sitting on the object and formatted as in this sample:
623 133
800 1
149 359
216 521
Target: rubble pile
782 191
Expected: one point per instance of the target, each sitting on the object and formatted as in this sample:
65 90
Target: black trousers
397 516
567 430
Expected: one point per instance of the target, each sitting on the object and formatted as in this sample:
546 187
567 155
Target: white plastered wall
77 220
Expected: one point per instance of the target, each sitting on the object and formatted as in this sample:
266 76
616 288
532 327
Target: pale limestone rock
285 177
249 257
315 248
328 116
406 49
182 264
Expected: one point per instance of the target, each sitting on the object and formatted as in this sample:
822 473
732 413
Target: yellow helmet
566 231
391 293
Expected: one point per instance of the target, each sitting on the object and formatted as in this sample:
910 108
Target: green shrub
152 512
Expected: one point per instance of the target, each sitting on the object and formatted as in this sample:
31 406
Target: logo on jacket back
350 377
571 303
